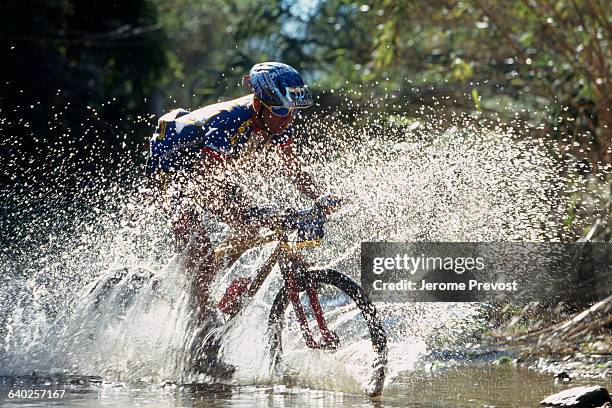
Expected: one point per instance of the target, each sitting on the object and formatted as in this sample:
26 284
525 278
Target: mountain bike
325 290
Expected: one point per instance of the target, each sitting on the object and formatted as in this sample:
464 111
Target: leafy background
95 74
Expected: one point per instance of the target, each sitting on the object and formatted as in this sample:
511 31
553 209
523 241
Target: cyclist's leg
219 195
200 264
225 200
190 230
191 236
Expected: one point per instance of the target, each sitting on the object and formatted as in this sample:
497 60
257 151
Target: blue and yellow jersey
224 130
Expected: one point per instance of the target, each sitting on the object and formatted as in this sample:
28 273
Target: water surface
475 385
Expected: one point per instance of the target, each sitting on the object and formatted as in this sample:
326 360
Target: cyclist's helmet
278 84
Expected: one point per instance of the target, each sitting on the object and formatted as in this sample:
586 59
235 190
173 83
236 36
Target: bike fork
330 339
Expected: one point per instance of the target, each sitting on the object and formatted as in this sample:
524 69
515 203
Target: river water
476 385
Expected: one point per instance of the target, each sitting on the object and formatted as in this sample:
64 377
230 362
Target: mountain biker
194 154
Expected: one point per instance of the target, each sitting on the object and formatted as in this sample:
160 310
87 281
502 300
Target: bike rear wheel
324 280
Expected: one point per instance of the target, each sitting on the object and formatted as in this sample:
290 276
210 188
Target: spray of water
92 285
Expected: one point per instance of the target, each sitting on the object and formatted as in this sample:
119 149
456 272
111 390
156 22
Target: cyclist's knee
198 245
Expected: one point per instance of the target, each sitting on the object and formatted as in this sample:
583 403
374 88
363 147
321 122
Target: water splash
407 181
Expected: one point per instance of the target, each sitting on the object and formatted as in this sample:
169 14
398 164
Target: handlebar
309 225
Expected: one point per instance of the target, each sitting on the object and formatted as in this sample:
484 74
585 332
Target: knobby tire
316 278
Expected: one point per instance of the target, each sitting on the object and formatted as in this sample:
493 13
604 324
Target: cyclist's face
274 122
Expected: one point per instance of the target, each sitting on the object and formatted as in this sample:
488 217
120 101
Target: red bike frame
290 260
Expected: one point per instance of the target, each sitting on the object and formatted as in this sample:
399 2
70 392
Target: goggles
279 110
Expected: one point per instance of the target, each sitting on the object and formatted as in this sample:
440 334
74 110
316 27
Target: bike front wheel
337 293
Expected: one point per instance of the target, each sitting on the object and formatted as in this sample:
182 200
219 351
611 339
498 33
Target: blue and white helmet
278 84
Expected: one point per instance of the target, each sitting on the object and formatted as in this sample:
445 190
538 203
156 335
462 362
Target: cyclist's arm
303 180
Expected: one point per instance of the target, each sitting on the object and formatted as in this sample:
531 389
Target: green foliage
476 99
503 361
534 50
203 51
154 55
67 59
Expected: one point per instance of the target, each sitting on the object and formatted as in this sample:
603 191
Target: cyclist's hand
329 203
309 224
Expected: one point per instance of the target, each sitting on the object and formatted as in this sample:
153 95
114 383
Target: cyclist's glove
309 224
329 203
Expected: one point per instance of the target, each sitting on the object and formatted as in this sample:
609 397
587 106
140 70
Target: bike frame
290 261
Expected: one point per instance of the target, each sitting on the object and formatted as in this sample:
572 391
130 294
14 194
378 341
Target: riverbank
566 346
